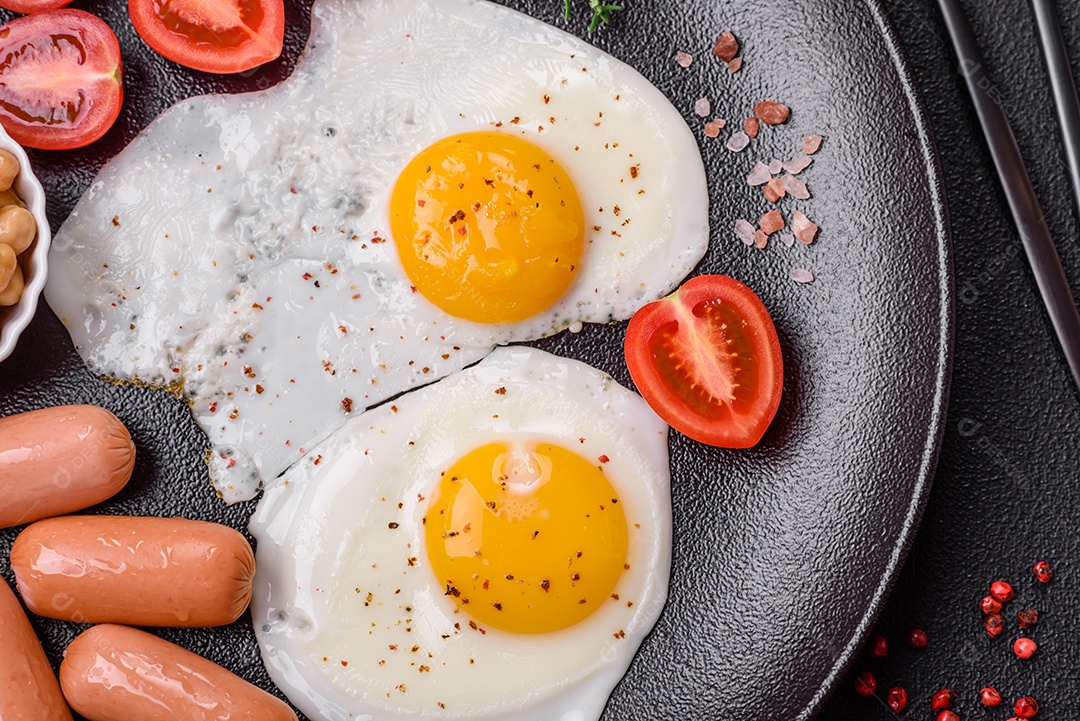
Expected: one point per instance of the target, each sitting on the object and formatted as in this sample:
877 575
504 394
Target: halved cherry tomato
215 36
707 360
27 7
60 79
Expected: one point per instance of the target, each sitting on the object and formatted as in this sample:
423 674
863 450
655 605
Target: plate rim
931 165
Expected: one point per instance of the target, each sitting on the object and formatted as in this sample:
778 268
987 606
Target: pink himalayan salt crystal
761 239
798 165
778 190
811 144
684 59
795 187
712 130
805 230
702 107
738 142
744 231
787 239
772 222
735 65
775 166
801 275
759 175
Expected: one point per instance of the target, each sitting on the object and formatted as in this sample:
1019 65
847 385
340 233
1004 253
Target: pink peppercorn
1024 647
990 696
1002 591
865 684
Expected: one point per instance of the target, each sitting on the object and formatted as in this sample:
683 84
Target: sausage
60 460
116 673
136 571
28 687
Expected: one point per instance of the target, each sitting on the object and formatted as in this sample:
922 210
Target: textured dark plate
784 553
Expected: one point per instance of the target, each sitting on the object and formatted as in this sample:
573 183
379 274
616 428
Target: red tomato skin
103 94
202 56
29 7
668 403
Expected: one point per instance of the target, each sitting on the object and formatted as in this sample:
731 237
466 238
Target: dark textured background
802 567
1006 491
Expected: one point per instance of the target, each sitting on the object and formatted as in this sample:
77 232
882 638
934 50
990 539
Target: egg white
346 607
239 247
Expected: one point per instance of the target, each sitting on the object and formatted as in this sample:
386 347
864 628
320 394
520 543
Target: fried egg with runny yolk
493 546
436 178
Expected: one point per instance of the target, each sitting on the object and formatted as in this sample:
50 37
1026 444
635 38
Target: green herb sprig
601 13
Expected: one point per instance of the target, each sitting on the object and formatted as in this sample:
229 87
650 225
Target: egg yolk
488 226
526 538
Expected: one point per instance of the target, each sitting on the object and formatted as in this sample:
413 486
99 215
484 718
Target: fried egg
492 546
436 178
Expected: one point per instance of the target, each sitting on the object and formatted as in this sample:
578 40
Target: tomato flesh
215 36
60 79
708 361
27 7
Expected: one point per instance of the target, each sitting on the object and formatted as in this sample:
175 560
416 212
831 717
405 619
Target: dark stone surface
1005 494
784 553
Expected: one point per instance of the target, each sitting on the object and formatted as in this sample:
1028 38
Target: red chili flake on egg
346 405
605 459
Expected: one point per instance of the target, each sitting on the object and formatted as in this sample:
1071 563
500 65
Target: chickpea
10 197
17 228
8 263
9 168
14 290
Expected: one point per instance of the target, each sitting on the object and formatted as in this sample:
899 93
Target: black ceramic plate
783 553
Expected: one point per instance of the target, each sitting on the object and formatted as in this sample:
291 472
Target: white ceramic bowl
13 320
